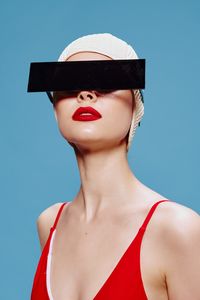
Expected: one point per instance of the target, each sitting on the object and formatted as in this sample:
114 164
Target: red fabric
124 282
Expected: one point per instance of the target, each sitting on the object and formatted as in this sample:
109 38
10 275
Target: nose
86 96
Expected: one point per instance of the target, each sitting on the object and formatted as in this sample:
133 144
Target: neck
106 181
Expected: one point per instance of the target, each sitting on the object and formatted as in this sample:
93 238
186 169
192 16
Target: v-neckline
118 263
121 258
108 278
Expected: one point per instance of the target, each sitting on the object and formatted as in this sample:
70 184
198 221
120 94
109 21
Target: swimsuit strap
148 217
58 215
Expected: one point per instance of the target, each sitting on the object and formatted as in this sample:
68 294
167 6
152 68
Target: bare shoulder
45 221
179 246
176 224
179 222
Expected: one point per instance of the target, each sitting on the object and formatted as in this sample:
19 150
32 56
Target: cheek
122 109
63 111
118 116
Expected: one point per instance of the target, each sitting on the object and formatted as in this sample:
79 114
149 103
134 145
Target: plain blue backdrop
38 167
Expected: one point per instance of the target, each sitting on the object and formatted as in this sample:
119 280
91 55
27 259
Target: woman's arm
45 221
182 254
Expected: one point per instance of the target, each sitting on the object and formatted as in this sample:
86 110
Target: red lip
78 114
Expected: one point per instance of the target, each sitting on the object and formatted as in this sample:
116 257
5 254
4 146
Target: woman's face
116 108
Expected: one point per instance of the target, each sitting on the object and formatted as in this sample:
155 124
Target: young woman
117 239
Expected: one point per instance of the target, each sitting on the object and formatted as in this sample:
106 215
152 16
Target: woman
117 239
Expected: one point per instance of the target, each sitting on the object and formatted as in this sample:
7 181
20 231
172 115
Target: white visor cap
115 48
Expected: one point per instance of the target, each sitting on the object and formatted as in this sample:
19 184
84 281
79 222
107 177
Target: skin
95 229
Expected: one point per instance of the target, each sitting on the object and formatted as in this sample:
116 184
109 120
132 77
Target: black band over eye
99 75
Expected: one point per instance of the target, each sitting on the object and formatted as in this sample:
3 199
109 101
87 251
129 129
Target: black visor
86 75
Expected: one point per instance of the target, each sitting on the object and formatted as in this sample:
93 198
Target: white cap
110 45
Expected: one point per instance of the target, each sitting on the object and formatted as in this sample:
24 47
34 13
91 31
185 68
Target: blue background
38 167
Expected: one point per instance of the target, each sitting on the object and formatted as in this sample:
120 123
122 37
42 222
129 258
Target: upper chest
85 257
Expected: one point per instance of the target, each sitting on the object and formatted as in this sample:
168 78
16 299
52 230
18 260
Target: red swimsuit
124 282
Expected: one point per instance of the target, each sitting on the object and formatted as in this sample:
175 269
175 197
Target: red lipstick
87 113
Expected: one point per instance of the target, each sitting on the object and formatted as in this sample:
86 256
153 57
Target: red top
124 282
